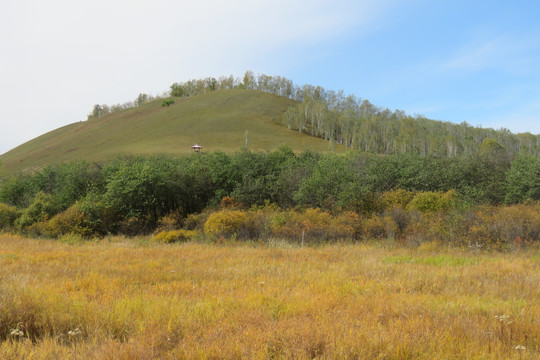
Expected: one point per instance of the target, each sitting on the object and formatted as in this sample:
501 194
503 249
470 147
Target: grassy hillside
218 121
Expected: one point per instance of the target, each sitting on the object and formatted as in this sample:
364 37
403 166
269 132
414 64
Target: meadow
133 299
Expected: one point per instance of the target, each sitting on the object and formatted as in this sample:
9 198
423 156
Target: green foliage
491 148
42 208
66 183
101 219
17 190
167 102
332 184
523 179
8 214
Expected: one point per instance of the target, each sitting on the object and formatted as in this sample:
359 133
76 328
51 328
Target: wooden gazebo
196 148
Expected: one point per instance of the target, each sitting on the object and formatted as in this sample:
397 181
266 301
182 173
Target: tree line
356 123
132 194
351 121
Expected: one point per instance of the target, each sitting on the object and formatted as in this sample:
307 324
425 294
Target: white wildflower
17 332
74 332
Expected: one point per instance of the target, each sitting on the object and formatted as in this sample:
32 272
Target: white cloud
63 56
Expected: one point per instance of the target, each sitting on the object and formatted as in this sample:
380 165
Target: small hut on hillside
196 148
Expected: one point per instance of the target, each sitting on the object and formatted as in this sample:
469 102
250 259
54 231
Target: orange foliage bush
229 202
380 227
314 225
171 221
503 226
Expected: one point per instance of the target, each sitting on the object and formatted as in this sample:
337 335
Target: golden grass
134 300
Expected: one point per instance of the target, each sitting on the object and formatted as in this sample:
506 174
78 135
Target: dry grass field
127 299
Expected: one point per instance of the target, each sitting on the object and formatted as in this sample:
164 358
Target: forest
352 121
300 196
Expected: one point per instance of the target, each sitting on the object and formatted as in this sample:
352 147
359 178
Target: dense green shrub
334 183
66 183
42 208
101 219
167 102
523 179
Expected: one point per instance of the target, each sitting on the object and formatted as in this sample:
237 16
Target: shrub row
401 215
479 227
135 195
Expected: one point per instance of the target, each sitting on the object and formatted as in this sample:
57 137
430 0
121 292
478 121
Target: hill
218 120
220 114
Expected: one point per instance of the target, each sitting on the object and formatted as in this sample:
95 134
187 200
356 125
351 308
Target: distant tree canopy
358 124
100 110
355 122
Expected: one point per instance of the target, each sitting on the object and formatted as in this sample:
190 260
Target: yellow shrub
398 198
8 214
375 227
225 223
174 236
70 221
431 201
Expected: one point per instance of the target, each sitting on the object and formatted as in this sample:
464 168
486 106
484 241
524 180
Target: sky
474 61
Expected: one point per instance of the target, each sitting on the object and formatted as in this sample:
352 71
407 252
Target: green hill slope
218 120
